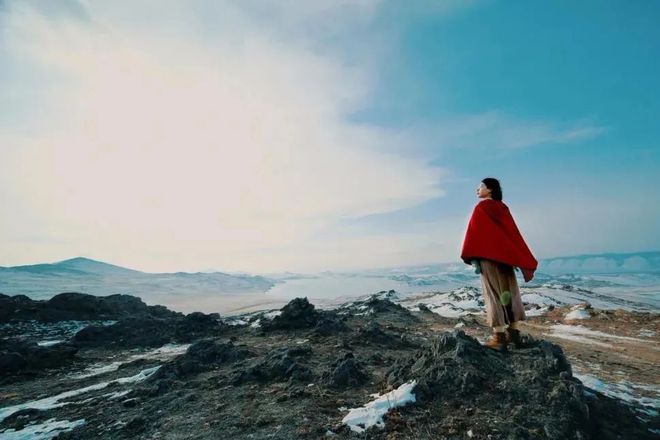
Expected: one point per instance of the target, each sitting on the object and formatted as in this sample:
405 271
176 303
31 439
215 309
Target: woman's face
483 192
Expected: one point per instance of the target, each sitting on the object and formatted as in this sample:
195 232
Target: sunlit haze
229 135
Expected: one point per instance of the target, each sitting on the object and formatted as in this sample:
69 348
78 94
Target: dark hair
494 186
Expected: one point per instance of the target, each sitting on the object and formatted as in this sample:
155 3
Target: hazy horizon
594 257
330 135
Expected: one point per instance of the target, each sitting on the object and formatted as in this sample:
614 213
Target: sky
263 136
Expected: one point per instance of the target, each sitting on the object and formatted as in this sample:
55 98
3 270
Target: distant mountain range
605 263
98 278
41 281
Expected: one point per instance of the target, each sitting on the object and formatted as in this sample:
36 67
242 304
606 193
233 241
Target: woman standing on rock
494 246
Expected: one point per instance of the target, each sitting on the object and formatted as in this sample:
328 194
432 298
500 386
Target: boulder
280 364
148 331
297 314
78 306
22 357
200 356
346 372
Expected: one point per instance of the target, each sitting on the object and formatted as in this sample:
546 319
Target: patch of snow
166 351
57 400
162 353
96 369
116 394
577 314
581 330
459 325
625 390
41 431
577 338
539 299
256 324
49 343
453 304
361 419
645 333
272 314
536 311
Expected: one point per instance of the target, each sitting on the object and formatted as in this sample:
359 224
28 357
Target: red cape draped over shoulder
492 234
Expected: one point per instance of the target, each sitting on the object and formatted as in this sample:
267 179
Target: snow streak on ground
41 431
59 399
371 414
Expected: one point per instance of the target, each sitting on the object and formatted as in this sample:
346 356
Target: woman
495 246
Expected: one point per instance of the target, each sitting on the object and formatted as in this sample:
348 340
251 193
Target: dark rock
151 331
280 364
385 306
329 324
136 425
128 332
373 333
533 385
346 372
200 356
20 357
23 417
130 403
297 314
11 362
423 308
78 306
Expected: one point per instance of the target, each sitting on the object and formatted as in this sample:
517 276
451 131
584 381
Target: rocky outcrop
529 393
200 356
300 314
25 357
346 372
78 306
372 333
280 364
303 372
151 331
297 314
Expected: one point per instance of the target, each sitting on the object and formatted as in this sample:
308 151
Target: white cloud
494 129
168 148
187 135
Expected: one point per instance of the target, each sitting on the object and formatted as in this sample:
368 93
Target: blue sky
268 136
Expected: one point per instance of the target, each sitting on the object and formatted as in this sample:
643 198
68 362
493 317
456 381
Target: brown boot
513 337
497 341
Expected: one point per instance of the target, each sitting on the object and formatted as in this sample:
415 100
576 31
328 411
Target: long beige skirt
496 278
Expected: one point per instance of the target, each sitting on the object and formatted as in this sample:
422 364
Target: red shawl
492 234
